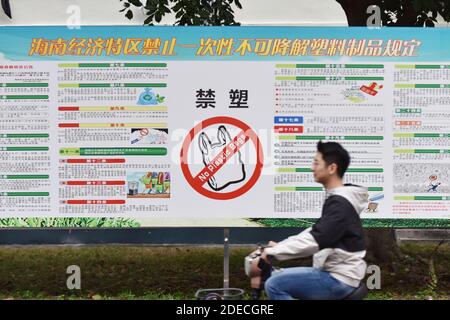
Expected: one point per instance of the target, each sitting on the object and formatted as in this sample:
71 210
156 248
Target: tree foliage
186 12
402 13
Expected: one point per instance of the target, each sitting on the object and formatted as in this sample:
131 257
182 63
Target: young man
336 240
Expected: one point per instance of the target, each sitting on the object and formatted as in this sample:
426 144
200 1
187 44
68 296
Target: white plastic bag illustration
232 171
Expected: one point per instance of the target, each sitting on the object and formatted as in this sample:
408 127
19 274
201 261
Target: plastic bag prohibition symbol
220 152
230 173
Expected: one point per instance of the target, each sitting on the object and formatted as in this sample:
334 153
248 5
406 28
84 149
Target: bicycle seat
359 293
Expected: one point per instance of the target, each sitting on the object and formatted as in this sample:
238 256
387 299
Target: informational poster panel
200 123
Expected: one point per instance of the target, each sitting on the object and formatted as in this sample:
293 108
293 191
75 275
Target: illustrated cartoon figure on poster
148 97
166 182
373 203
434 183
230 173
133 188
159 185
147 181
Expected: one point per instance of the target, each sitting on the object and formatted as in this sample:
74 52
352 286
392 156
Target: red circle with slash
247 133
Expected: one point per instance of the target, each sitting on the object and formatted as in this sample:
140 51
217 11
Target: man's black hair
333 152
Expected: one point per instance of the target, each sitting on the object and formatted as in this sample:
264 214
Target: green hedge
367 223
68 223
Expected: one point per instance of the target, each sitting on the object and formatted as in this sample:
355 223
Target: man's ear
332 168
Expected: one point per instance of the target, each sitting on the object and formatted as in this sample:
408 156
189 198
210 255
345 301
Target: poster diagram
148 185
225 172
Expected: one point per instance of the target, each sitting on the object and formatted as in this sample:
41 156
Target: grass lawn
145 272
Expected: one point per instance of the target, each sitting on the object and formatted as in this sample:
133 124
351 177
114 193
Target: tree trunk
381 245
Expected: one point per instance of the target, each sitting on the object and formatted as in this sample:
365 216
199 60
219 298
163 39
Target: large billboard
218 126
